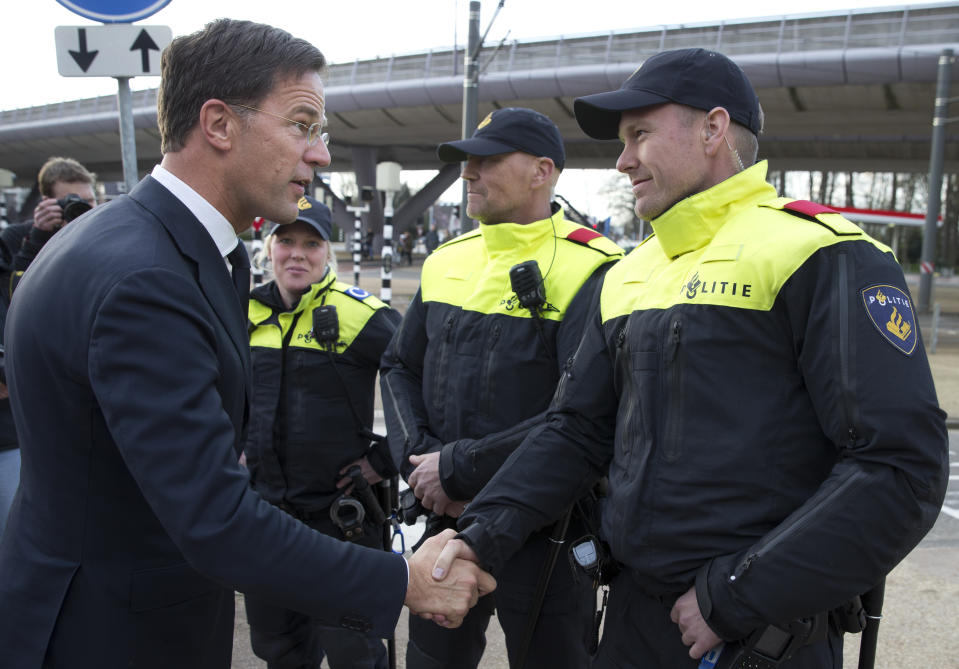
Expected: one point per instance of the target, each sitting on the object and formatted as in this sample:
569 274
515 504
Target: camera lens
73 206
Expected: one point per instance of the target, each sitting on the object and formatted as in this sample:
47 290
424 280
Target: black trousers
288 639
639 634
562 632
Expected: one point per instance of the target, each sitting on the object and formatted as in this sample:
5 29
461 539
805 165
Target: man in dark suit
128 365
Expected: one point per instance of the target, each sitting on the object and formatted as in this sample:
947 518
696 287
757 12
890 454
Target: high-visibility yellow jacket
754 384
302 427
470 370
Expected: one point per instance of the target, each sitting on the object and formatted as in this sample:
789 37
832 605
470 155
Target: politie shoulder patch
890 310
357 293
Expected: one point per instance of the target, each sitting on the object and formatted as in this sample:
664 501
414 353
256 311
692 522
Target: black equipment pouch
850 617
410 508
770 646
590 555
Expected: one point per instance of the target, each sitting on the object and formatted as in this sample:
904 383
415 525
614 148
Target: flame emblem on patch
890 310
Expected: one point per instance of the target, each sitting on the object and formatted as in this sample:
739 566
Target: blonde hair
263 259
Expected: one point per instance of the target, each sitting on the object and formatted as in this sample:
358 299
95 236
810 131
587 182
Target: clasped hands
445 581
451 558
426 485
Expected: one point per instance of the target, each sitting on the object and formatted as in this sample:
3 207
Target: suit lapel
194 241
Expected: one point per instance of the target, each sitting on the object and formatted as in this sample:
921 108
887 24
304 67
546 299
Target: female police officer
316 345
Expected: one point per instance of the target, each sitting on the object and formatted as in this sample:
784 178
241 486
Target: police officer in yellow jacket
473 366
754 384
315 346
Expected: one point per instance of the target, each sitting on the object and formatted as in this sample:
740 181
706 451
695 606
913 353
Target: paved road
945 534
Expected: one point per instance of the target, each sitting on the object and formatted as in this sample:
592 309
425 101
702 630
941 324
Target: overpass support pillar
939 121
364 169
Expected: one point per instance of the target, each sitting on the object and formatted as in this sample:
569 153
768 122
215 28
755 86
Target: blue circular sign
115 11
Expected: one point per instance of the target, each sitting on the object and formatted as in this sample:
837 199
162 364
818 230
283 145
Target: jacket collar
692 223
269 294
513 238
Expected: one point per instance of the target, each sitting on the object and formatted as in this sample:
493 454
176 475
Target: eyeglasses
314 132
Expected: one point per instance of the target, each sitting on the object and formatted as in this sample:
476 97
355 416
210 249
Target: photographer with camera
67 190
315 344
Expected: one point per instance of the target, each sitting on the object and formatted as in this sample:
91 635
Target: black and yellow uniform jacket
302 429
755 385
469 372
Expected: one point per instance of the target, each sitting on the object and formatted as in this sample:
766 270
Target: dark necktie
240 262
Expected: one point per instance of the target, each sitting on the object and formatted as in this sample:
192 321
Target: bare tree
620 200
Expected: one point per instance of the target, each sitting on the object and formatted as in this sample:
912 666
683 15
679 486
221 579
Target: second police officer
473 367
315 346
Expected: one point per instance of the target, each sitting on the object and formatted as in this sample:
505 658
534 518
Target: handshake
445 581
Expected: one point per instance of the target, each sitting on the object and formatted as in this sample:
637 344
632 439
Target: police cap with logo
315 214
696 78
507 130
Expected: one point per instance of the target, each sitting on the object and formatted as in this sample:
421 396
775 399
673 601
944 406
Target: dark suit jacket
128 363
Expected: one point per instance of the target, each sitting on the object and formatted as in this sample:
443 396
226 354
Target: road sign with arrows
114 50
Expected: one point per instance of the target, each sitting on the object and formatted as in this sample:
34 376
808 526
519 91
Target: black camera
72 206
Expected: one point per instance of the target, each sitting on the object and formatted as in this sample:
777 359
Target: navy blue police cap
315 214
696 78
507 130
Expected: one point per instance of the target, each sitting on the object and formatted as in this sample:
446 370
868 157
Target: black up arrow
83 57
144 44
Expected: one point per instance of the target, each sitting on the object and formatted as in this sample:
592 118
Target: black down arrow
144 44
83 57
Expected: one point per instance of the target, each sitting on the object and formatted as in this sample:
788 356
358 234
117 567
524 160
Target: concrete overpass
846 90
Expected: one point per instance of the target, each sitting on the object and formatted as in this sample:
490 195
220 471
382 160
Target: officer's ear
545 172
715 127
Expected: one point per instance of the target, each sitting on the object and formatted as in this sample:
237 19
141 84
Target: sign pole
128 145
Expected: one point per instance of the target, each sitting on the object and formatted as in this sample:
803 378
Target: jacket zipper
558 396
487 396
775 539
631 392
850 410
439 376
674 361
